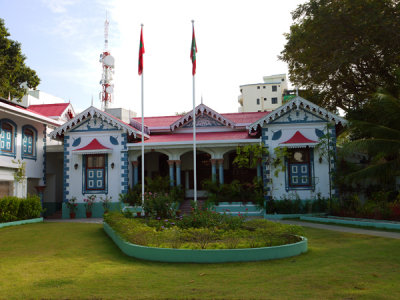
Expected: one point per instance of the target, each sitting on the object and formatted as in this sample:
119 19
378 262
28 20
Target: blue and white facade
300 127
95 156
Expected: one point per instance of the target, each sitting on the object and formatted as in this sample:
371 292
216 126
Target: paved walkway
83 220
386 234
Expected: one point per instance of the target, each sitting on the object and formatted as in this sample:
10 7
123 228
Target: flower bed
205 230
206 256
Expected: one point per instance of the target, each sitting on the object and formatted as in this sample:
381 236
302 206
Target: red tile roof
93 145
298 138
238 118
200 136
49 110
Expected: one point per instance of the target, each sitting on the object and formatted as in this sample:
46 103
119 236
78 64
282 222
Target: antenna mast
107 61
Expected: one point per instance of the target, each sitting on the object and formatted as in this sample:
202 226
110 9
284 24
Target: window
274 88
299 171
8 131
29 137
258 101
274 100
95 172
7 141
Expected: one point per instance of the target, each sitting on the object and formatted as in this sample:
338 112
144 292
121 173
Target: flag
193 51
141 52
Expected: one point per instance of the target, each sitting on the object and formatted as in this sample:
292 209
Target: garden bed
354 221
206 256
205 236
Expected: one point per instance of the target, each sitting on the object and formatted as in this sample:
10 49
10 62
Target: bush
15 209
298 206
235 192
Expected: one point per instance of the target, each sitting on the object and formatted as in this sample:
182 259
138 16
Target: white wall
321 169
75 180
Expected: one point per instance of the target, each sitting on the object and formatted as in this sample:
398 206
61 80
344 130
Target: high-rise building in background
265 96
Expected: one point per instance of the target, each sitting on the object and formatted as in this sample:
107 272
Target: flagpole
194 138
142 131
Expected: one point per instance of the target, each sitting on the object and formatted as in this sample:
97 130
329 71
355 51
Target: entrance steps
186 206
56 215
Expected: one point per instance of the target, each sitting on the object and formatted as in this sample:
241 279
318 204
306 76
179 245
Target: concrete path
386 234
83 220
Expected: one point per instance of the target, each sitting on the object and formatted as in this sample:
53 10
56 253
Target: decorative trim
95 112
202 110
66 169
124 164
296 103
44 153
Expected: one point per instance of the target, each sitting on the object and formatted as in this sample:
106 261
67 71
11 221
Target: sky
238 43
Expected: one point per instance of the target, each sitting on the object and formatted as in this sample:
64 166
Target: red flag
193 51
141 52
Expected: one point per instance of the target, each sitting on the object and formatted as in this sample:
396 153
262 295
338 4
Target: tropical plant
343 50
14 72
375 132
106 203
249 156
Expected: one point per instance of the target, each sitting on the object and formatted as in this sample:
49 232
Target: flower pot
72 215
88 214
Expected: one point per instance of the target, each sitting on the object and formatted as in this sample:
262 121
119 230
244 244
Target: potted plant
89 201
106 203
73 206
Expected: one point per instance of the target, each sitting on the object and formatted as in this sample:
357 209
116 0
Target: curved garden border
15 223
206 256
354 221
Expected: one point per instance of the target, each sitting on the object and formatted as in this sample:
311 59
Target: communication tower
107 62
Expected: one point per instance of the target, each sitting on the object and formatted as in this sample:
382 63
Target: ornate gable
296 105
94 124
93 119
298 116
205 117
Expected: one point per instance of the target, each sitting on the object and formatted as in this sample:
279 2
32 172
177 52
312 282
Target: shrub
14 208
157 233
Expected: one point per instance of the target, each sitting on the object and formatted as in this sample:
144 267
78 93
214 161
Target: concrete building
265 96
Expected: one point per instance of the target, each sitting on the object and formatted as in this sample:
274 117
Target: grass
78 261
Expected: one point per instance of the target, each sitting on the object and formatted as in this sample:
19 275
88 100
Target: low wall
206 256
15 223
361 222
235 208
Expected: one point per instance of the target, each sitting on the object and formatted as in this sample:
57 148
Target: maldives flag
141 52
193 51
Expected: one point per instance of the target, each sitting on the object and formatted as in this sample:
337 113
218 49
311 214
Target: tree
376 133
13 71
343 49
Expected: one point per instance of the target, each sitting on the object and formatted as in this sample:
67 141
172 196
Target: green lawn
74 261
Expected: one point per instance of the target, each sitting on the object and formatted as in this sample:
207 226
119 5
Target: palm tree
375 131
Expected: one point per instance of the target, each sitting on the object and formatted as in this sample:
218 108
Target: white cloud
59 6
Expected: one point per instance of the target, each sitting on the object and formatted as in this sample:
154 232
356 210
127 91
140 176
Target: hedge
15 209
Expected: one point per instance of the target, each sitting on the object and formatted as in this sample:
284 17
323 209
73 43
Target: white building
265 96
23 142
